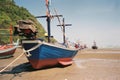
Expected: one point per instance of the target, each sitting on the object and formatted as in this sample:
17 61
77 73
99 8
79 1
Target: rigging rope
24 51
27 52
11 63
59 22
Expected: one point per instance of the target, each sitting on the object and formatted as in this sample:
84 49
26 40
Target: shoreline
88 64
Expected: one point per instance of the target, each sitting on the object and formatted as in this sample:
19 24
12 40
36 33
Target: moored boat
41 54
7 51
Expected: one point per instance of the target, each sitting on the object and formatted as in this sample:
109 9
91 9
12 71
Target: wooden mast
64 25
48 19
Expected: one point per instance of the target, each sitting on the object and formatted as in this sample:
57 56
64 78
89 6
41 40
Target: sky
92 20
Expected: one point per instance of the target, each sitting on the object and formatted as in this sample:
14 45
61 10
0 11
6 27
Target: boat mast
48 19
64 25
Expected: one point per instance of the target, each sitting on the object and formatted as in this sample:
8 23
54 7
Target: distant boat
94 45
8 50
41 54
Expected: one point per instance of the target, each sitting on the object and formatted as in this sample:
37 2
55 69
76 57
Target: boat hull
8 50
6 53
45 55
38 64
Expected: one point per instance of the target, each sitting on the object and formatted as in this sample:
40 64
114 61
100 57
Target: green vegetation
10 13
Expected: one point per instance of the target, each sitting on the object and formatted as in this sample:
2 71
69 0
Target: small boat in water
8 50
41 54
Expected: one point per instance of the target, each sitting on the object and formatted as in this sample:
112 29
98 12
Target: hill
10 13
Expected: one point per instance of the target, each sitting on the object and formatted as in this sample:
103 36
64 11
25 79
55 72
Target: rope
11 63
24 51
27 52
33 48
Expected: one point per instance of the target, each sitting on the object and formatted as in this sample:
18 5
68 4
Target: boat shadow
26 67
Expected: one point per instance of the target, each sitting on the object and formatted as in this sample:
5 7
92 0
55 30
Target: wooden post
63 25
11 38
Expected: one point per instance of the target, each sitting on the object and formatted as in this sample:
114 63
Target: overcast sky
91 20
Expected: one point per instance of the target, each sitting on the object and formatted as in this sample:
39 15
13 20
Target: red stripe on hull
7 53
37 64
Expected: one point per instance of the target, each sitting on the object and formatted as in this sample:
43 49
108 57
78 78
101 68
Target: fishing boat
41 54
94 45
8 50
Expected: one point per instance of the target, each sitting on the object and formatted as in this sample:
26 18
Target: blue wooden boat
41 54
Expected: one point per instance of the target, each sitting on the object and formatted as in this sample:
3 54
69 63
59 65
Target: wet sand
101 64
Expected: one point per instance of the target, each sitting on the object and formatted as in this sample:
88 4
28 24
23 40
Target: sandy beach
88 64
